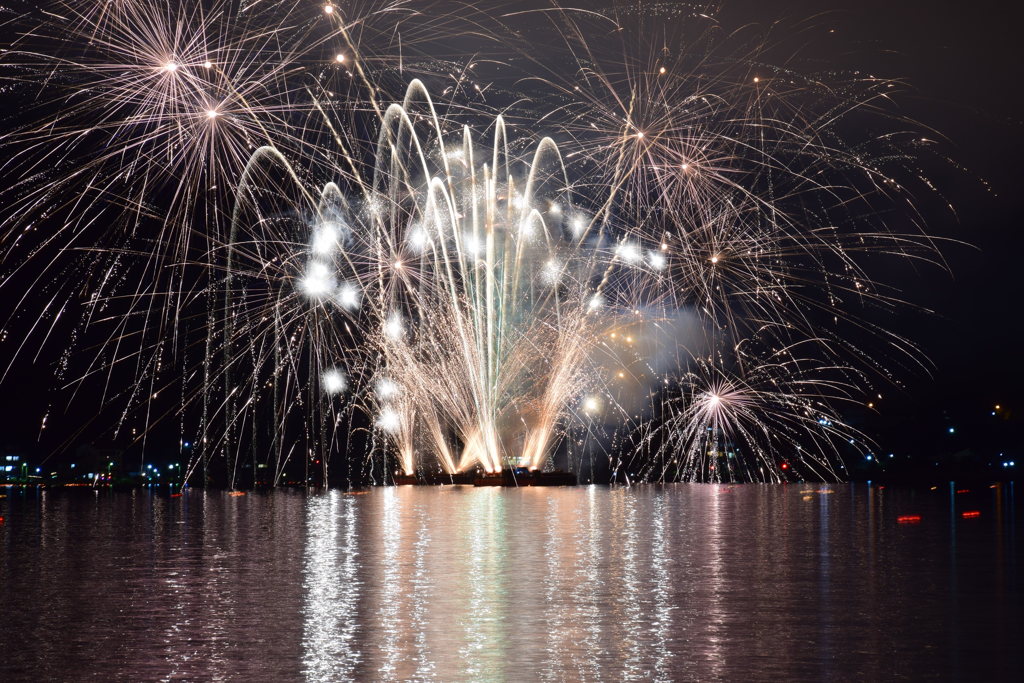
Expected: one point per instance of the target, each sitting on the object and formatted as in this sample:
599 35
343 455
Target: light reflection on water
690 582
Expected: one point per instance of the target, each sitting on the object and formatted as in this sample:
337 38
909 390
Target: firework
609 248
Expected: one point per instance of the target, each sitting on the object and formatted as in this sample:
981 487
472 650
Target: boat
521 476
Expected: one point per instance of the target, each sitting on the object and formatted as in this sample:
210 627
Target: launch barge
435 479
521 476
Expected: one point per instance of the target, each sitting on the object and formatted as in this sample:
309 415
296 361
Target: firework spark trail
480 284
679 262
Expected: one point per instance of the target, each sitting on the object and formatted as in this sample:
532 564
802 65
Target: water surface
676 582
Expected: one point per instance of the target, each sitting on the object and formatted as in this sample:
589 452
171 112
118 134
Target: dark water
691 582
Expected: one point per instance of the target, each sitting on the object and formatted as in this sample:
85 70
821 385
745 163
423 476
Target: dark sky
963 62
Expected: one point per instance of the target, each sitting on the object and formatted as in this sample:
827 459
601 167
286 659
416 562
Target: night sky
962 63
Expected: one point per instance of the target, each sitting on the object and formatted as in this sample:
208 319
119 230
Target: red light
908 519
963 490
175 495
785 465
970 514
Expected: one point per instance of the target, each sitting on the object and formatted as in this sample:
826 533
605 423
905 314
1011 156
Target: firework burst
610 246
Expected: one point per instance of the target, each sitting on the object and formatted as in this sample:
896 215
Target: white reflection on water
714 582
482 644
390 608
661 561
457 583
678 582
589 584
332 588
627 603
462 583
422 595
